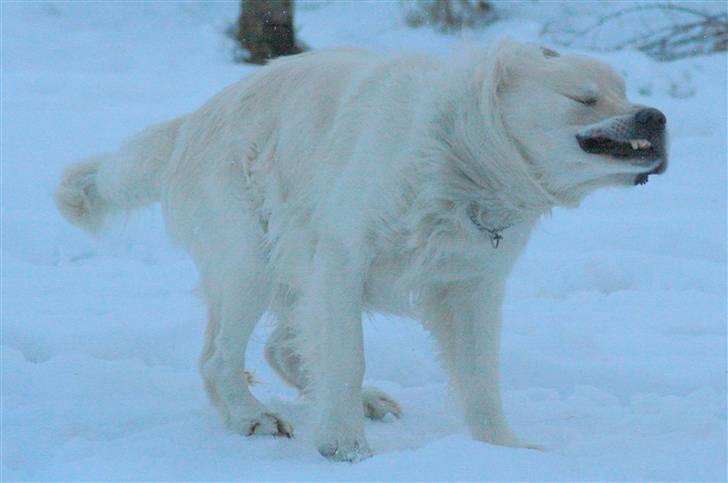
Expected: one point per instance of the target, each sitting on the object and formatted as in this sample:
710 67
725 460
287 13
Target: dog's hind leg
281 354
238 297
208 349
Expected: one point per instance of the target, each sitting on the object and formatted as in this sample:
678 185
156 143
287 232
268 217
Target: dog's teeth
640 143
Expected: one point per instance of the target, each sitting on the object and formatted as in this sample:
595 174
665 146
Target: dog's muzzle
639 139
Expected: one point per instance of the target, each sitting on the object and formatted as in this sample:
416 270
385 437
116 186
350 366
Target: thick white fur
332 183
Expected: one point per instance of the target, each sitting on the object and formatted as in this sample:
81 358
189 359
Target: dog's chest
394 282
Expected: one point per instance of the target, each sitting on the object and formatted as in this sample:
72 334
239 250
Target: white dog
335 182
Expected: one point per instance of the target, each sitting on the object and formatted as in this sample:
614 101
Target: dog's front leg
467 325
335 302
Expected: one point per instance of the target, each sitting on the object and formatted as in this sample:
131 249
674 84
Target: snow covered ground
615 323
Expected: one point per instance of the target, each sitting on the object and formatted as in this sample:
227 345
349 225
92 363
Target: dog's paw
352 451
262 424
378 404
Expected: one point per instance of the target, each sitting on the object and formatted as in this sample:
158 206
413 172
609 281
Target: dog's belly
391 288
383 291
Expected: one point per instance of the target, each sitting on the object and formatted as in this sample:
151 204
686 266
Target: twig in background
681 32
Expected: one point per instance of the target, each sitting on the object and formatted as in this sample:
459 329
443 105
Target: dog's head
571 120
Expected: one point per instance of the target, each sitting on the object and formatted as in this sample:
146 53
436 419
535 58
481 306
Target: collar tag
493 233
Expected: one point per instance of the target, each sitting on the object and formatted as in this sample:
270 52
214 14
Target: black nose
651 118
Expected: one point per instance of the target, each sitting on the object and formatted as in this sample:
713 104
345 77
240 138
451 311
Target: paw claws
252 429
352 453
284 429
267 424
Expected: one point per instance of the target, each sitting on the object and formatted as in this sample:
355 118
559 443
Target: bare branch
700 33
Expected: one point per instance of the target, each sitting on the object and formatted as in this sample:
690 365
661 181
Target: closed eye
587 101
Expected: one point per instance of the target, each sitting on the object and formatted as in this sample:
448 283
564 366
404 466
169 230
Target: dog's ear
549 53
499 75
509 60
496 77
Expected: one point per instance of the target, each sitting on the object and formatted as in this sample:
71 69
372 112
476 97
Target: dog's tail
100 186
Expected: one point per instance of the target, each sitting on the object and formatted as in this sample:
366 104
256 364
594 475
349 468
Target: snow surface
614 346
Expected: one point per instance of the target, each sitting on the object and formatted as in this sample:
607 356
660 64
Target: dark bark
265 30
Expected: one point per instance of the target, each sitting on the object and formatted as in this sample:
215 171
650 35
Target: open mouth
637 151
632 149
638 141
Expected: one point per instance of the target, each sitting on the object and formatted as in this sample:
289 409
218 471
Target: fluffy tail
94 189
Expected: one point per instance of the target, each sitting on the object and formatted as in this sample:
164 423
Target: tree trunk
265 29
